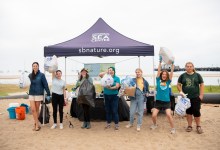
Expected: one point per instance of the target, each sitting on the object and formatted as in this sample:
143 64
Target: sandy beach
18 134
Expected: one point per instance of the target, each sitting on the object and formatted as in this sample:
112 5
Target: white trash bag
183 103
107 80
24 80
50 64
167 55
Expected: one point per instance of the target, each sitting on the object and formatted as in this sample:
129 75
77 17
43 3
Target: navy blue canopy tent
100 40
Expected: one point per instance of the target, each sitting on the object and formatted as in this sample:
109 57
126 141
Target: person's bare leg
34 113
154 116
169 117
189 119
197 120
37 106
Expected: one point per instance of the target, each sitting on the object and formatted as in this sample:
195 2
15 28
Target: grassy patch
208 89
12 88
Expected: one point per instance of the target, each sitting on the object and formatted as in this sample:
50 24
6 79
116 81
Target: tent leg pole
154 80
44 106
139 62
65 68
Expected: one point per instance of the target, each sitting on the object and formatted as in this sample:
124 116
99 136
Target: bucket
13 105
26 107
11 111
20 113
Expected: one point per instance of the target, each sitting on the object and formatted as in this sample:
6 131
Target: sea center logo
100 37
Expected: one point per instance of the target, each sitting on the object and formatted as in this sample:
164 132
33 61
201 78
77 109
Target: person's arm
53 75
102 74
202 86
90 80
179 87
147 89
115 87
159 69
64 93
76 86
45 84
171 72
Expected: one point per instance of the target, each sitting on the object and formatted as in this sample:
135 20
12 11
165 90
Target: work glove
48 99
182 94
160 58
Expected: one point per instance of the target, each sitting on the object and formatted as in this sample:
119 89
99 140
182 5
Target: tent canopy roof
100 40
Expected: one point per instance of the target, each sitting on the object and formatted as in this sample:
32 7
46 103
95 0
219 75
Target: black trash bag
46 114
86 94
123 110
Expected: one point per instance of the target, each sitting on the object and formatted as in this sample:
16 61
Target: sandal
38 129
34 127
199 130
189 129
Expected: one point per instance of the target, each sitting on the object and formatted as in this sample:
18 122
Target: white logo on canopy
100 37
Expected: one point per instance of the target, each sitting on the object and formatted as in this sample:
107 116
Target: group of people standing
190 83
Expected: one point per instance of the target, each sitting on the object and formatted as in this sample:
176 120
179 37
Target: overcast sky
189 28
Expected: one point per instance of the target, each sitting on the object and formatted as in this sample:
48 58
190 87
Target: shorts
161 105
195 107
36 98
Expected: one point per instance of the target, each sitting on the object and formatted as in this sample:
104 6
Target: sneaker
116 127
138 128
173 131
61 126
129 125
189 129
199 130
154 126
54 126
107 126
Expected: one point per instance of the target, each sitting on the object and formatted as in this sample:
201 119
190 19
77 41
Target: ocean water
210 78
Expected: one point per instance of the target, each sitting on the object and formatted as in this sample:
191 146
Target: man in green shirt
191 83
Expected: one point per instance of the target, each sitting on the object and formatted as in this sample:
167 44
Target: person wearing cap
111 99
83 76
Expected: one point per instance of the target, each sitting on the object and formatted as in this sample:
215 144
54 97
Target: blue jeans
111 108
137 105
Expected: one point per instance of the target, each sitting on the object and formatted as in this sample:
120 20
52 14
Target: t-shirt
190 84
140 83
112 92
163 92
57 86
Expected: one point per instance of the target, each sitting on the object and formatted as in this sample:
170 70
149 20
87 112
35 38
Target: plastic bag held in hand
24 80
107 80
166 55
183 103
51 64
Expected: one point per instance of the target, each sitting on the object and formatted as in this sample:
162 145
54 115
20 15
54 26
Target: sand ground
18 134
